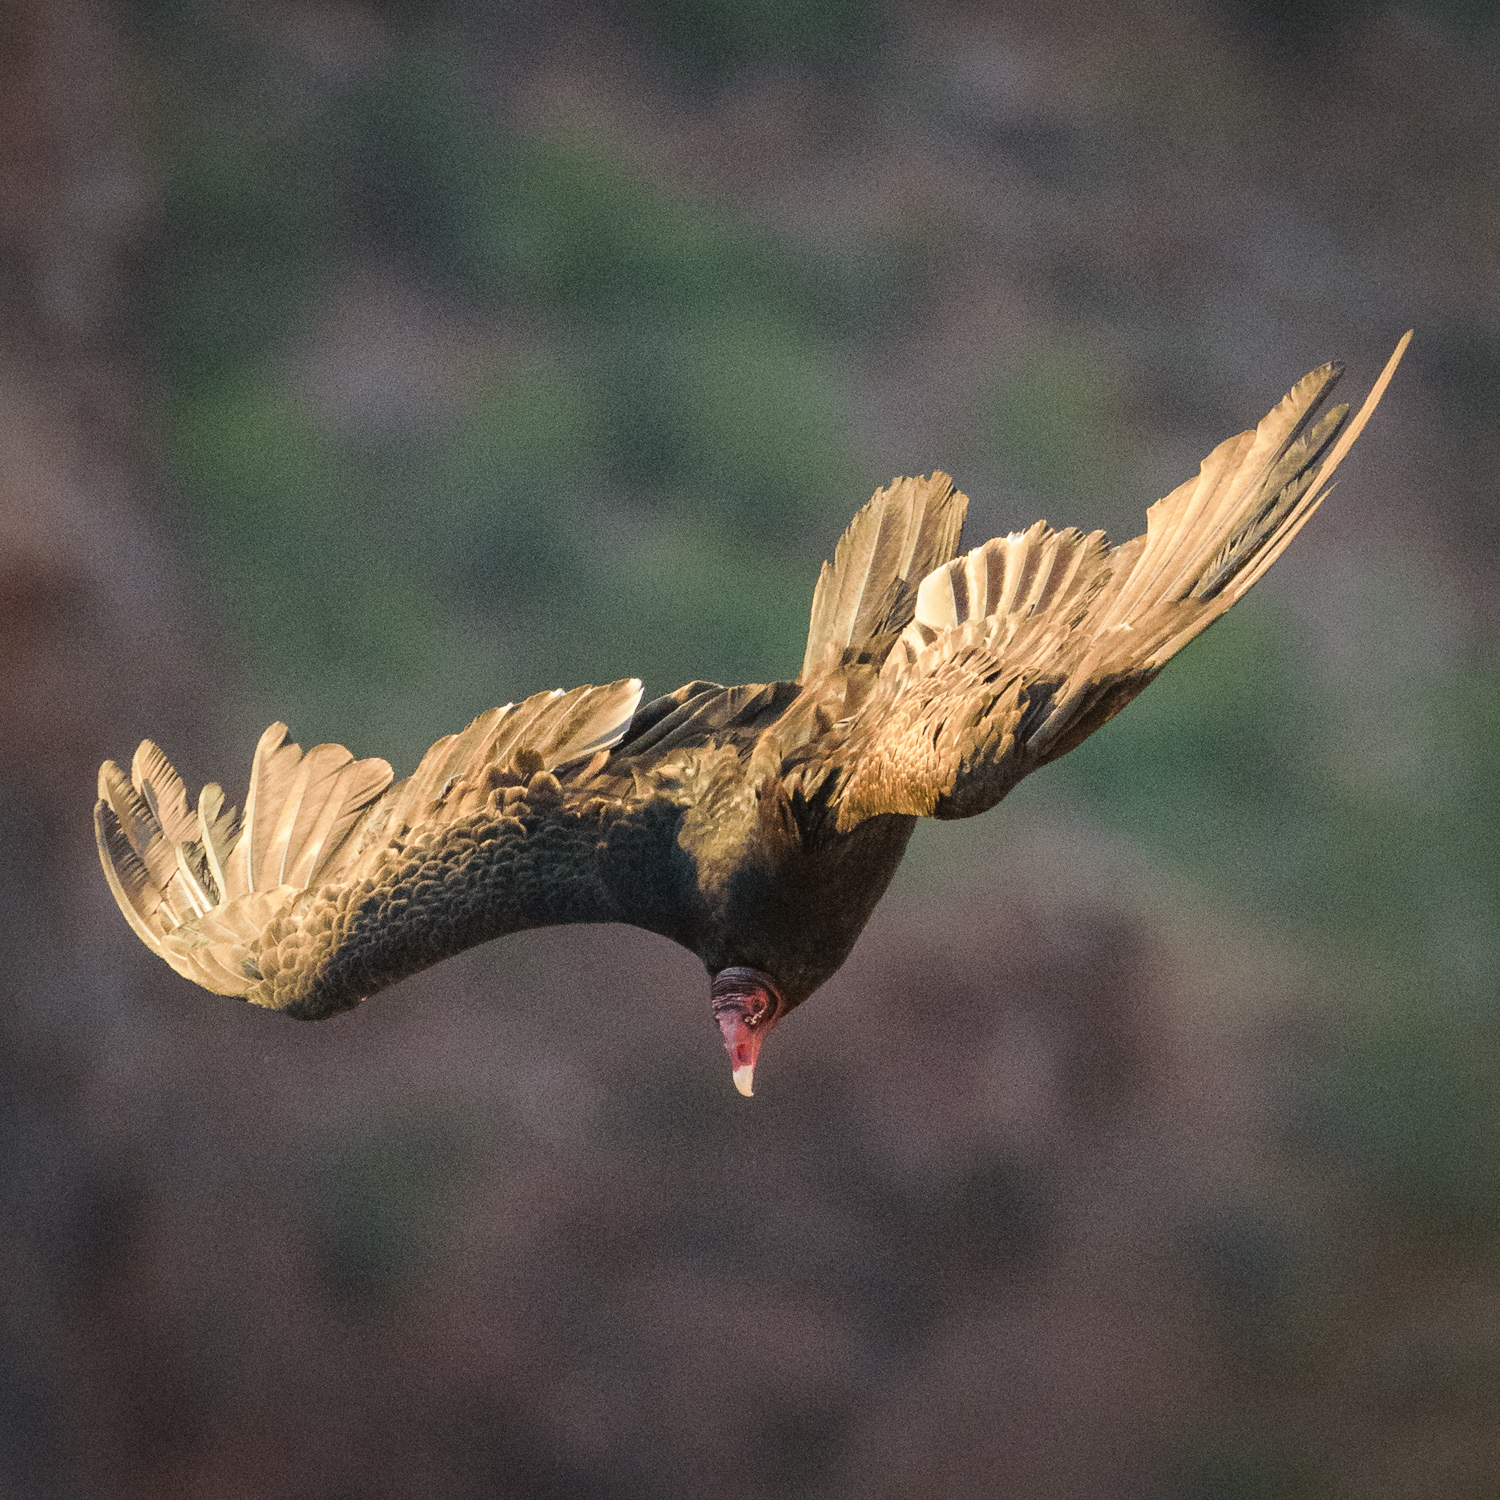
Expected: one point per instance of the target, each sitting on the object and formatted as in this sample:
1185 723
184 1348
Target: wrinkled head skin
747 1004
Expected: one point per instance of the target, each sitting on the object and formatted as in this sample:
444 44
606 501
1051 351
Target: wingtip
272 739
1353 428
108 773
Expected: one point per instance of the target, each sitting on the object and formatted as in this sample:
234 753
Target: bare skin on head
756 826
747 1005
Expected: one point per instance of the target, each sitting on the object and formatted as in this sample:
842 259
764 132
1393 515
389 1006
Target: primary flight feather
757 826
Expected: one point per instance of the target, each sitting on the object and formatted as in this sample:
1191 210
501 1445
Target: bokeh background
367 363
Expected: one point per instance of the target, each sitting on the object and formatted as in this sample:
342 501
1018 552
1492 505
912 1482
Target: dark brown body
694 836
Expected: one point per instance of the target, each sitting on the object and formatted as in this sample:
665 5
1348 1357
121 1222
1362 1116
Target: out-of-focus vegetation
502 348
632 475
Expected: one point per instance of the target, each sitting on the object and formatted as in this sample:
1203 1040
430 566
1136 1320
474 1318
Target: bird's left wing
1021 649
335 882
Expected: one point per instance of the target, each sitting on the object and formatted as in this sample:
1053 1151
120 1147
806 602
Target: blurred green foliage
1409 1106
709 40
1376 843
1235 1465
1054 420
379 1206
666 445
1291 25
1466 359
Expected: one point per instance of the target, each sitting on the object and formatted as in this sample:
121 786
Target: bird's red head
747 1005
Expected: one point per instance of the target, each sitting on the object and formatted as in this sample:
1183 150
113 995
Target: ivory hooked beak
742 1042
746 1006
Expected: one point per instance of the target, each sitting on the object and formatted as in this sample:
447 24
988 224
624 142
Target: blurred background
367 363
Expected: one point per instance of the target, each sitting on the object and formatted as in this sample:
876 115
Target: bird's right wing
1021 649
330 857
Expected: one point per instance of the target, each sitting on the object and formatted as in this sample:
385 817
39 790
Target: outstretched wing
336 882
1021 649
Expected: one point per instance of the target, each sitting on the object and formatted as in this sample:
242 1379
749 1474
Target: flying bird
758 826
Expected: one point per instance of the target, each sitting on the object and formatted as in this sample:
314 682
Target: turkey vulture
758 825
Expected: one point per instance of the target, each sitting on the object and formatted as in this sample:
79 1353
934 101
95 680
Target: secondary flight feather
758 826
